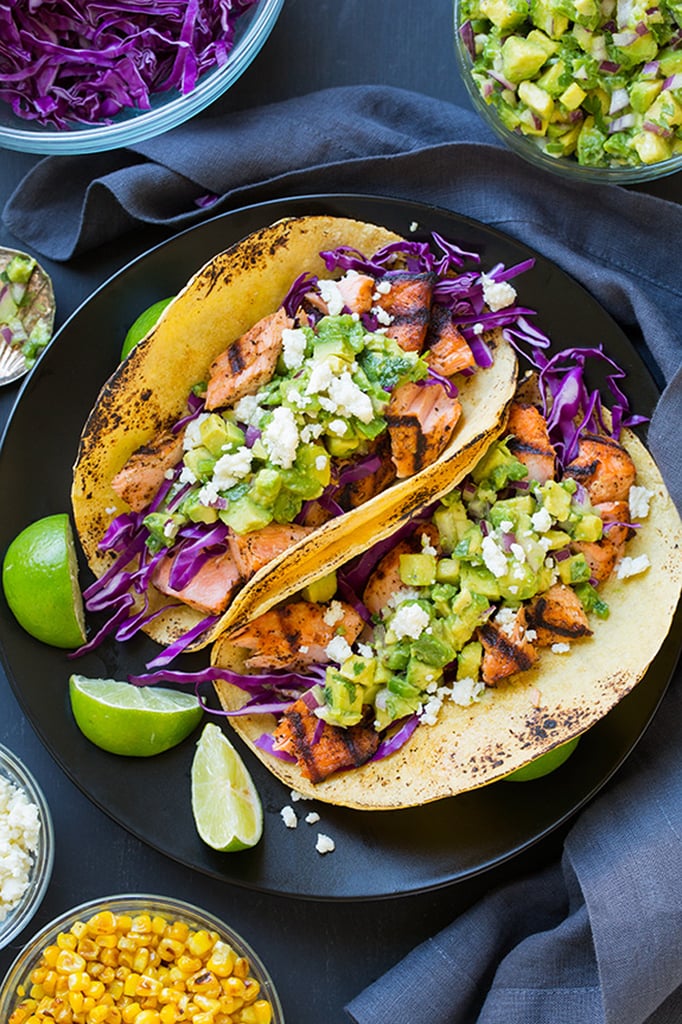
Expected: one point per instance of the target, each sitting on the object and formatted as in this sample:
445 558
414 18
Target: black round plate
377 854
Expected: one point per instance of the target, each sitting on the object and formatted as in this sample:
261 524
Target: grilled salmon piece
209 590
359 491
421 420
295 635
618 514
505 651
249 362
449 351
251 551
557 616
604 468
144 472
530 443
408 302
320 748
357 291
385 581
600 555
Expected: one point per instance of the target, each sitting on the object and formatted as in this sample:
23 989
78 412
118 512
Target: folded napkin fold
597 938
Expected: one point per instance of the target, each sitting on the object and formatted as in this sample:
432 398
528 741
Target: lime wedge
544 764
143 325
40 580
225 802
136 721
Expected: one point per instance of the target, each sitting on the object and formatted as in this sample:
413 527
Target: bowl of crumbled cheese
26 846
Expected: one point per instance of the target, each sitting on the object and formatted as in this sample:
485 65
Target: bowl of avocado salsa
586 88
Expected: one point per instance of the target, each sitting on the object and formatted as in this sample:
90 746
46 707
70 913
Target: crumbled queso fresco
19 833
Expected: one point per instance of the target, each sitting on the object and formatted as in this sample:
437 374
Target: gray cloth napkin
598 937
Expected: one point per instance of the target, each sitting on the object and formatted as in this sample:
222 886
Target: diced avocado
244 515
20 268
162 526
462 622
480 580
499 467
421 675
556 500
418 570
343 700
643 93
524 582
531 124
200 462
339 447
591 600
551 79
550 46
8 307
396 657
401 687
433 651
312 461
586 11
359 669
443 595
666 110
584 37
471 542
322 590
506 14
216 433
572 97
588 527
389 707
509 509
266 485
574 570
642 49
567 141
469 660
287 506
509 116
546 15
651 148
447 570
669 62
451 522
521 59
196 512
556 539
539 101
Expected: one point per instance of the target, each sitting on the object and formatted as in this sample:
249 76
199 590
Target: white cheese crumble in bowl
26 846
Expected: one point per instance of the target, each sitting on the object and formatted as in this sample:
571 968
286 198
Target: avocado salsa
325 401
502 540
599 82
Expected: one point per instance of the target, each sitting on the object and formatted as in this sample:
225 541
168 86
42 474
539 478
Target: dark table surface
320 954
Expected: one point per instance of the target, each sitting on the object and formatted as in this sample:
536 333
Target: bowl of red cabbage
588 89
77 77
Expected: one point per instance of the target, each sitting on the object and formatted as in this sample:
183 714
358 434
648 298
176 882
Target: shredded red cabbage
294 297
397 740
69 61
266 742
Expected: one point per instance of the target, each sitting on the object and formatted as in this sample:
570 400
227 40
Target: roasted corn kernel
140 969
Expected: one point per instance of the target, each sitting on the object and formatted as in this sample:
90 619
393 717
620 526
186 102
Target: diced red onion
657 129
466 34
619 100
609 67
620 124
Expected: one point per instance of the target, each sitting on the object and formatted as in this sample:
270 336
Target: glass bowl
18 776
136 904
524 146
168 109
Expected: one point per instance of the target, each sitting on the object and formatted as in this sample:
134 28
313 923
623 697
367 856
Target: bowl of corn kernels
137 959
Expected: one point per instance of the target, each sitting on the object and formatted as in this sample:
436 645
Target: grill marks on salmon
248 363
421 420
557 616
604 468
294 635
359 491
530 442
408 302
449 352
505 651
251 551
144 472
322 749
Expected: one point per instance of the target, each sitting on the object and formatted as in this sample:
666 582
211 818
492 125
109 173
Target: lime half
137 721
544 764
143 325
40 580
227 810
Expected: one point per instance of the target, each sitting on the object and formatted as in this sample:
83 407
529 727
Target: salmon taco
320 372
504 619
